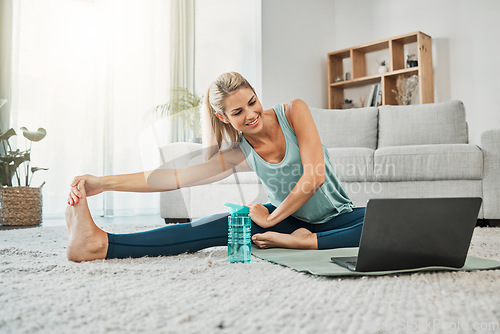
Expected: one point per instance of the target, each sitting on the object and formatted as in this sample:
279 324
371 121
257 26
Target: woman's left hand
259 213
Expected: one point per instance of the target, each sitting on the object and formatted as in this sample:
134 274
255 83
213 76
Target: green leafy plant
12 161
186 106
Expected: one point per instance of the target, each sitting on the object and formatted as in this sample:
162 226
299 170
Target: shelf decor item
382 68
347 104
411 61
355 61
405 87
20 204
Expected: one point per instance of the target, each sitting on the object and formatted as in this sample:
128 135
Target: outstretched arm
220 166
311 151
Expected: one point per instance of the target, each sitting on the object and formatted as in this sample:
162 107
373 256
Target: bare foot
87 242
299 239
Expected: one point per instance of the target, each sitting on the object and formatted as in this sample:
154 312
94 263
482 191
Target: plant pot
382 69
347 105
20 206
412 63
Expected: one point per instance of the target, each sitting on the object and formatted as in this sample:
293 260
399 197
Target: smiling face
243 111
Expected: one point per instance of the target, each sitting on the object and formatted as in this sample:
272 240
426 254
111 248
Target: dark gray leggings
341 231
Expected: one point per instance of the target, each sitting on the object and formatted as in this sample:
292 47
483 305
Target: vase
382 69
405 100
21 206
412 63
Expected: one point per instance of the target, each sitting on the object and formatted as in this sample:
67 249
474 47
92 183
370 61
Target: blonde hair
215 130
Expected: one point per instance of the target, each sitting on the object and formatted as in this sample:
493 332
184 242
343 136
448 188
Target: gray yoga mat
317 262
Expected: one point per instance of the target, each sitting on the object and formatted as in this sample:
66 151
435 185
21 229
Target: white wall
465 47
228 38
296 36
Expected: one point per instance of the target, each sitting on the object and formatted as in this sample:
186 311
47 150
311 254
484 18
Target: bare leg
299 239
87 242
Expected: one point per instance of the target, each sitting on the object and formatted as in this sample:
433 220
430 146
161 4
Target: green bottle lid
238 209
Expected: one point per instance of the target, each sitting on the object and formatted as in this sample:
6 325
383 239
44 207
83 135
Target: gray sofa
419 151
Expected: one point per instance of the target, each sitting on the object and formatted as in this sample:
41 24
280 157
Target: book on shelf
369 99
375 94
375 97
378 99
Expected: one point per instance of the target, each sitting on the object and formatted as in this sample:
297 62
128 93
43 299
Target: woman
309 209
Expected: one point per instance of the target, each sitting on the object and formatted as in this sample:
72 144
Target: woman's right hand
93 186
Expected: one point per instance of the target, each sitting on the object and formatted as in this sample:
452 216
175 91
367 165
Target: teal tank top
279 179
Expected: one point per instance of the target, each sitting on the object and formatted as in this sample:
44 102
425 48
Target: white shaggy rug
41 292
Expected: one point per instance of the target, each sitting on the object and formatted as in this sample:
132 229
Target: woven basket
20 206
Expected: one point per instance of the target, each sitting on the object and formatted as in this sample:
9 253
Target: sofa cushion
347 128
353 163
428 162
437 123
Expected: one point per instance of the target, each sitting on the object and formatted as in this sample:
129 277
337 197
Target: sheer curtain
5 62
90 72
182 37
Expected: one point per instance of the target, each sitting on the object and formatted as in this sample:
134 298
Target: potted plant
382 68
411 61
186 106
21 204
347 104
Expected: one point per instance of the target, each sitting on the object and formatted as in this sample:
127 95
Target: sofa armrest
175 204
490 146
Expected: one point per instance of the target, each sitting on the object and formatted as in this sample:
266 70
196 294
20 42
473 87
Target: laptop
408 233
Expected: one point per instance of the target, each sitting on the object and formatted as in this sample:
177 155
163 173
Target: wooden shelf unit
396 65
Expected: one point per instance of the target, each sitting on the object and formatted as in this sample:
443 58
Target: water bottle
239 232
